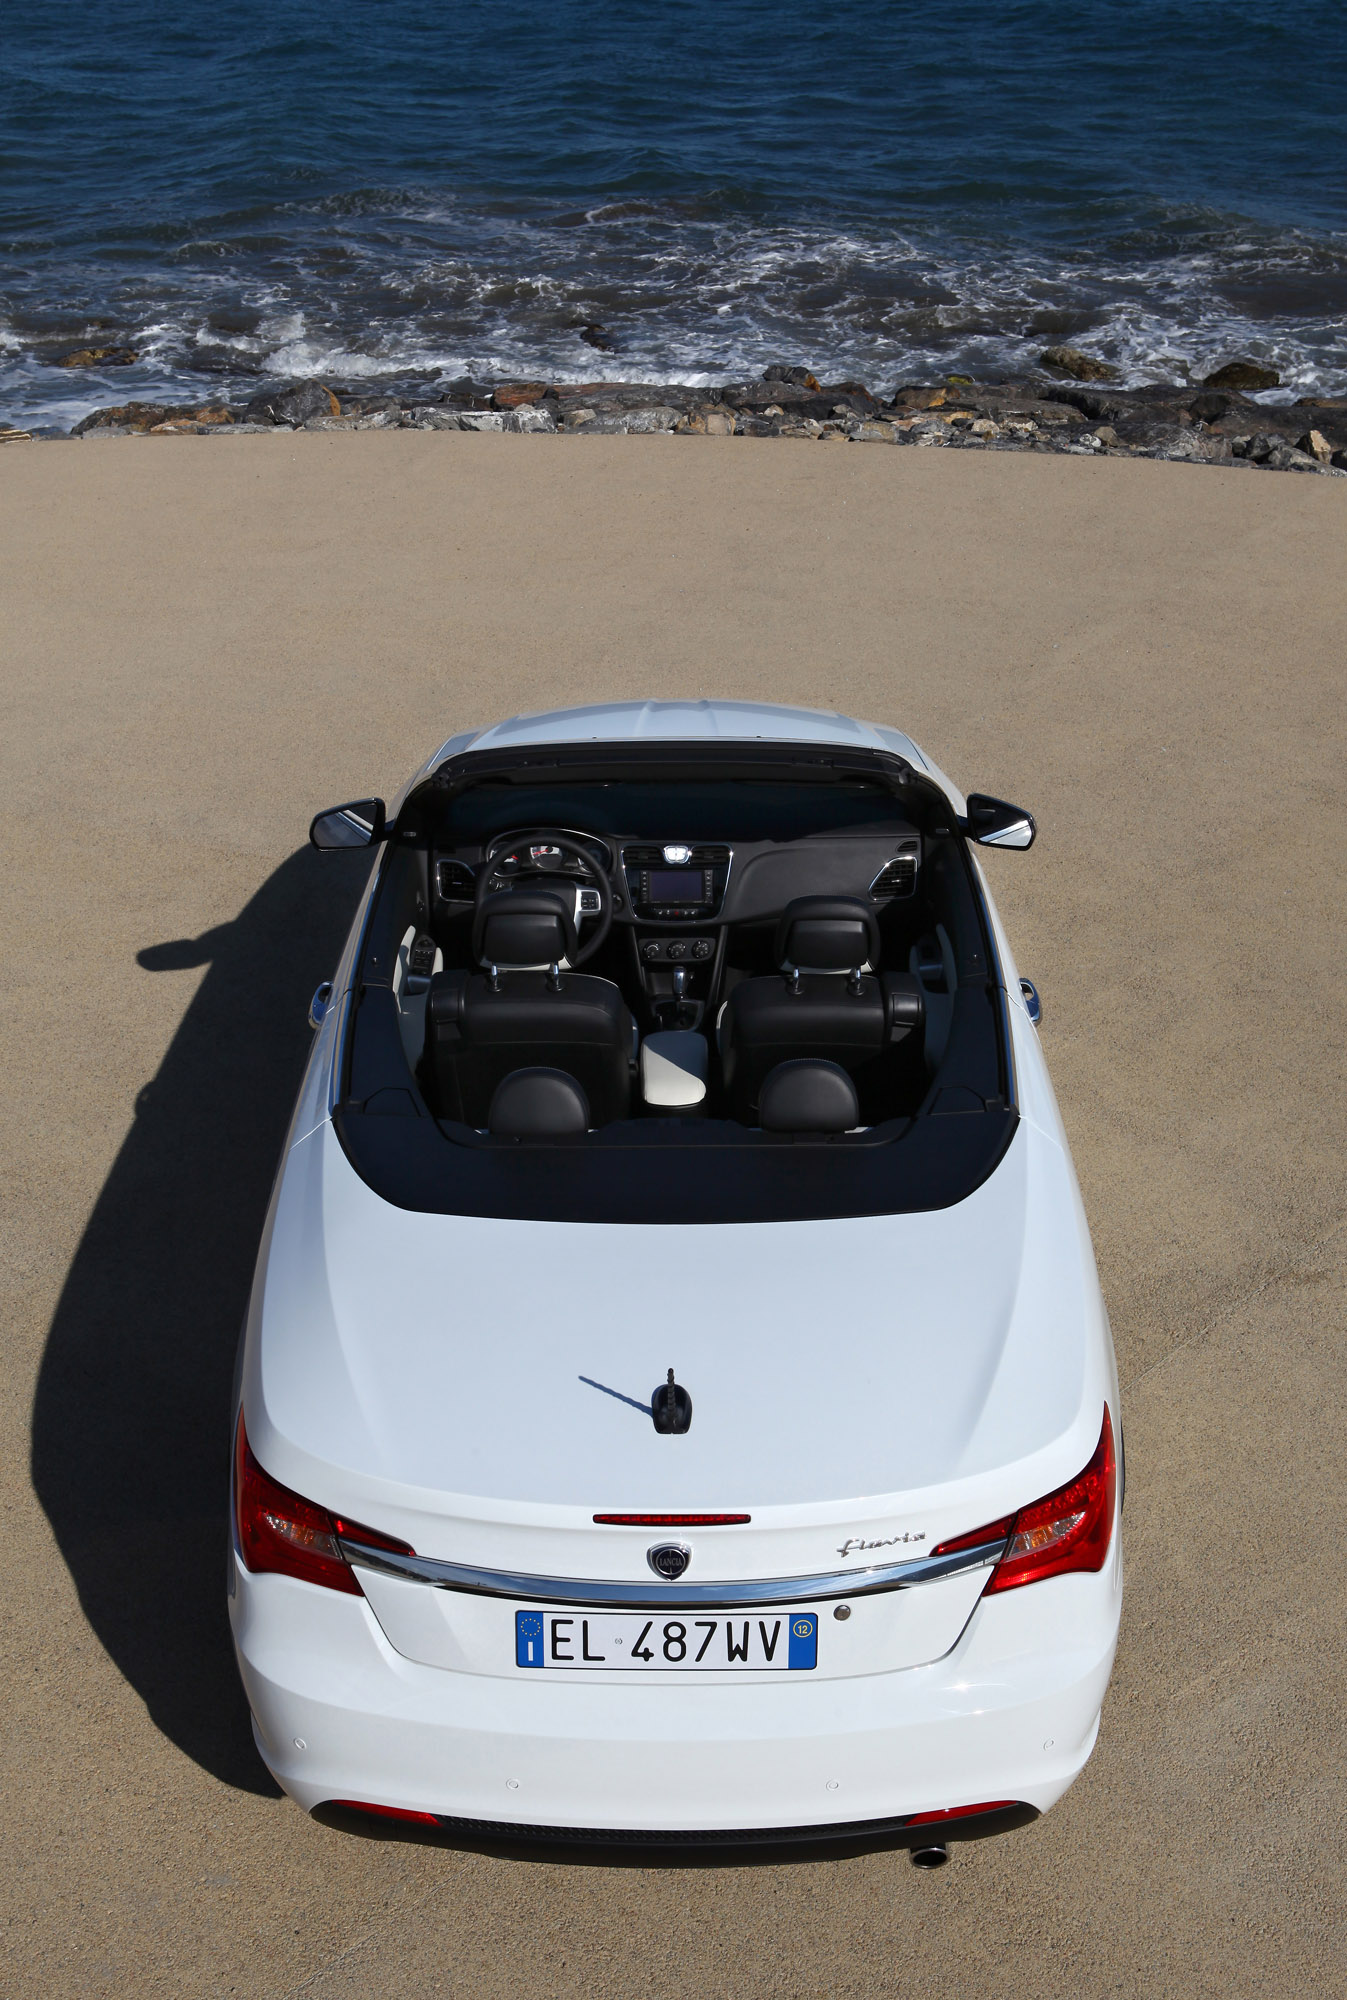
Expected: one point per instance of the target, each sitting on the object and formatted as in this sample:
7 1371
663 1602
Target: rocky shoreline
1071 406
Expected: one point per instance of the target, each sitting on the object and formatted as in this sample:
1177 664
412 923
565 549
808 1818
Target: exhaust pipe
934 1856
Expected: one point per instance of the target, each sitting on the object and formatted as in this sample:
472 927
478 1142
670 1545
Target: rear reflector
672 1520
960 1812
281 1533
387 1812
1068 1530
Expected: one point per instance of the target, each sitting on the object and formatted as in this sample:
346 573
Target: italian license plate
630 1642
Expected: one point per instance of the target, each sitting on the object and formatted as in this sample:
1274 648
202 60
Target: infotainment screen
676 885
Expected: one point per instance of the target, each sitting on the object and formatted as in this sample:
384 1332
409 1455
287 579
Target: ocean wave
433 289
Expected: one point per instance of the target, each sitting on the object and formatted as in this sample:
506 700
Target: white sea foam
373 288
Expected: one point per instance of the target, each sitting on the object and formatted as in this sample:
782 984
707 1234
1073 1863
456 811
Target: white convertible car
676 1405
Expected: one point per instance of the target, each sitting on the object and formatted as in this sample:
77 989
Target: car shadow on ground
131 1417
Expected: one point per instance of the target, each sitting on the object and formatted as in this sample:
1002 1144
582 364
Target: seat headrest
523 927
537 1104
827 934
808 1095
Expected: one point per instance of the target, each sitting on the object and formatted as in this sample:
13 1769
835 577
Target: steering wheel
603 922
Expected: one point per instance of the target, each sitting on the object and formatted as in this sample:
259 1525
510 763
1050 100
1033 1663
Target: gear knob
680 979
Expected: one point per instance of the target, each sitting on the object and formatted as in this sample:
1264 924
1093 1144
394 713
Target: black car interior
758 968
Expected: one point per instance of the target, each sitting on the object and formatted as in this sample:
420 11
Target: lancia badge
669 1559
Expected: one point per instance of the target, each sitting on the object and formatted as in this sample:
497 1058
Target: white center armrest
673 1069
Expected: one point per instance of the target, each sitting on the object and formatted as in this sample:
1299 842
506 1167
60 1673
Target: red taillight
279 1531
388 1812
672 1520
977 1538
1069 1530
960 1812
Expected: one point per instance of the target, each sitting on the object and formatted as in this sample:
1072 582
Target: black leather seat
525 1012
538 1104
823 1004
807 1095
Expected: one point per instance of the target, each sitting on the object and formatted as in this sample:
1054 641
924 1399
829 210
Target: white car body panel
890 1381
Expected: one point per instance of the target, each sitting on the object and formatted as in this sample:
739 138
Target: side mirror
993 823
359 824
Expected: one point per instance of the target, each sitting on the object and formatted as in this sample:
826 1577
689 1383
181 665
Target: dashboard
677 885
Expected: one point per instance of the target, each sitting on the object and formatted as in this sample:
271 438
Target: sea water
403 192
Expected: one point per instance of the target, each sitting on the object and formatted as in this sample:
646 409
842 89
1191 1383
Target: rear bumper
1010 1713
644 1844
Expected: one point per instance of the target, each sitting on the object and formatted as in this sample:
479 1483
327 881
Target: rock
1285 458
625 395
530 417
1107 437
719 423
294 405
481 420
1027 409
127 417
1316 445
1093 404
778 371
510 395
432 417
1080 367
598 336
659 417
99 357
371 406
1208 406
984 428
912 396
466 394
850 399
603 423
1246 376
870 431
1339 461
385 418
1259 447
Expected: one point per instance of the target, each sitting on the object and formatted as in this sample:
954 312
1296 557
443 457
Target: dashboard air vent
456 881
897 877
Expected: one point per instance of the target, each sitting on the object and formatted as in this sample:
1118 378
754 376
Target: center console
674 889
676 882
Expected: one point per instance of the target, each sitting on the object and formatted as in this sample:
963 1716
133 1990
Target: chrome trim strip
672 1596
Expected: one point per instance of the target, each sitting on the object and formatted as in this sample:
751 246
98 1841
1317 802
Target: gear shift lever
680 980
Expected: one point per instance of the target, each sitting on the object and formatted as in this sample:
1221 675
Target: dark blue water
403 191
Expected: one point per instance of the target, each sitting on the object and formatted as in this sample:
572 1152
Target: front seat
823 1004
525 1010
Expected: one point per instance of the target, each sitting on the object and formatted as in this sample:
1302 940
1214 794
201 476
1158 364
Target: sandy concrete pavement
206 640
